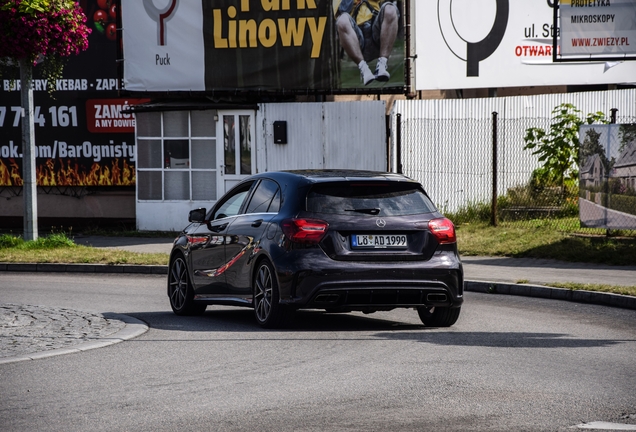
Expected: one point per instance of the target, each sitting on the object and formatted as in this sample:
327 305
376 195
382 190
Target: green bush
10 241
54 240
540 198
473 212
543 190
51 241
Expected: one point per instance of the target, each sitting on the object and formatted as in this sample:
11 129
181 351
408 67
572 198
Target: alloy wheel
178 284
263 293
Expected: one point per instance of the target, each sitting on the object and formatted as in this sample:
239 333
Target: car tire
268 311
180 290
438 316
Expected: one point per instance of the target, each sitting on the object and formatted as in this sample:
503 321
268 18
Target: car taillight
304 230
443 230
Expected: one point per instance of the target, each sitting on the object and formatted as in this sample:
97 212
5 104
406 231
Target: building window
176 156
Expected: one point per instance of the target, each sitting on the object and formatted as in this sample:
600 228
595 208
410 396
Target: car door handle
257 223
218 228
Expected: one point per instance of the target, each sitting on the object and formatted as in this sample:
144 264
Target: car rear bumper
322 283
382 295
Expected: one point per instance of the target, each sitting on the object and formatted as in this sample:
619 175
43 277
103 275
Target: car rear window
377 199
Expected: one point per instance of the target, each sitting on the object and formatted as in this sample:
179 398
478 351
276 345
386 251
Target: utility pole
29 181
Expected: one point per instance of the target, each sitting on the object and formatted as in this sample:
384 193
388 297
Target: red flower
52 33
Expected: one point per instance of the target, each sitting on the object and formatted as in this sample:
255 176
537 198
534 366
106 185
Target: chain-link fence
454 160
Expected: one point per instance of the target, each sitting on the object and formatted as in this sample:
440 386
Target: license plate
382 241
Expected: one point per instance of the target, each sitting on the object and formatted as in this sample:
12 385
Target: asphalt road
510 363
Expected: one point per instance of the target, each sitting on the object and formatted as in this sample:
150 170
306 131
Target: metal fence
447 145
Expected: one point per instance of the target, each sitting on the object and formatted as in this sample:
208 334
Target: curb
539 291
133 328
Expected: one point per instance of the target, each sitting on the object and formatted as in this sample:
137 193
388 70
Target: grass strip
542 239
82 254
614 289
59 248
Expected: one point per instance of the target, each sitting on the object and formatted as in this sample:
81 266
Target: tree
627 134
558 148
32 31
592 146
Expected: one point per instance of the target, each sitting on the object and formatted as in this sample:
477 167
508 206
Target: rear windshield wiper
372 211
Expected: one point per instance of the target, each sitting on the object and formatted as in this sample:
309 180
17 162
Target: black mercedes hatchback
338 240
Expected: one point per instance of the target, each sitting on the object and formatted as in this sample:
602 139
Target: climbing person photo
367 30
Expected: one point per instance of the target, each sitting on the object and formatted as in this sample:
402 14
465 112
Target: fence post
493 211
398 150
608 231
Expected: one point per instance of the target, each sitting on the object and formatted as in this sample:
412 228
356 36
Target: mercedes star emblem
380 223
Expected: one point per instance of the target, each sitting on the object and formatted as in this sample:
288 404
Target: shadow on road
501 339
242 320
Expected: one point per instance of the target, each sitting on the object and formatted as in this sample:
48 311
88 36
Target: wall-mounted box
280 132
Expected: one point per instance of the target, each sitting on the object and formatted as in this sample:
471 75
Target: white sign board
497 43
163 45
598 28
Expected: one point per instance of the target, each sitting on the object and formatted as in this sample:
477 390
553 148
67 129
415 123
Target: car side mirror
197 215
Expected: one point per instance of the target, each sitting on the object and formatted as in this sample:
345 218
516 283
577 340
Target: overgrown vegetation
535 200
558 148
53 240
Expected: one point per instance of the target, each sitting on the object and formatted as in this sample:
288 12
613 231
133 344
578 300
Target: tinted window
274 207
383 199
231 204
262 200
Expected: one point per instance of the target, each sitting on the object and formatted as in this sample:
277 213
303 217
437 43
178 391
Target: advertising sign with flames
83 135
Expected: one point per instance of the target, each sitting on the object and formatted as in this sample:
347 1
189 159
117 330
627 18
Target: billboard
83 137
607 176
498 43
598 29
262 46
